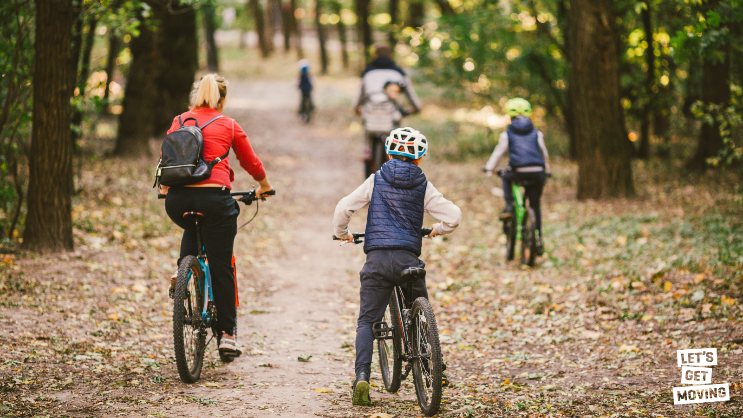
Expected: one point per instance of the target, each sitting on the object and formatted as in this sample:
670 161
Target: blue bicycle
194 311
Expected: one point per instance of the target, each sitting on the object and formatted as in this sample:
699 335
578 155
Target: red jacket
221 135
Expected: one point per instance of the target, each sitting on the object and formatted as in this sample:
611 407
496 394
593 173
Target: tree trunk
49 217
178 61
82 79
321 38
647 24
260 26
416 12
715 90
113 53
286 25
394 8
341 33
365 32
212 54
270 27
297 29
604 153
136 119
444 7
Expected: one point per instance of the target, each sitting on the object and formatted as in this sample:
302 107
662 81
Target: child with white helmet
398 195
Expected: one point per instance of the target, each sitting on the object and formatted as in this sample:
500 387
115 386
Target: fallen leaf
304 358
114 316
727 301
139 287
212 384
622 240
628 348
646 318
591 334
380 415
699 278
667 287
324 390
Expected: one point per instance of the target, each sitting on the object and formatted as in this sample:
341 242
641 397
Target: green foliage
16 67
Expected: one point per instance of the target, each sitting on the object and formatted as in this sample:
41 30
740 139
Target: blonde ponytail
209 91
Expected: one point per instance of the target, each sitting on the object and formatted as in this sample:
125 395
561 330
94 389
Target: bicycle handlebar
247 198
425 232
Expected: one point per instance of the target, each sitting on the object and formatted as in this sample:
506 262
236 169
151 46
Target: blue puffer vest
396 210
523 144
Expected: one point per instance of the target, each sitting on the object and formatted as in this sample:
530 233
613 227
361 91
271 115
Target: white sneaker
228 343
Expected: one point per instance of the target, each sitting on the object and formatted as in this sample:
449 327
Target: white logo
691 373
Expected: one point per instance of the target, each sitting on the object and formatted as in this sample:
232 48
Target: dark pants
305 105
379 276
533 191
217 235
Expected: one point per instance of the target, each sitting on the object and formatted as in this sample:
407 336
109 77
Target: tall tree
647 25
178 61
49 218
260 26
604 153
394 8
342 38
364 28
286 25
297 29
212 53
82 78
319 27
137 117
112 54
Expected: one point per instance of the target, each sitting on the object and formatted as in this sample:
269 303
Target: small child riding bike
528 160
398 194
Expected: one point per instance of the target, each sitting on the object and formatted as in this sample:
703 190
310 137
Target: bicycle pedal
381 330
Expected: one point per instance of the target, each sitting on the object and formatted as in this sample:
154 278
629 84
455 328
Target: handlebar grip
270 193
161 196
426 232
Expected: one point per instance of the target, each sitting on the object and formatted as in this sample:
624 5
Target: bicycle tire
426 373
509 228
377 154
529 239
391 377
187 297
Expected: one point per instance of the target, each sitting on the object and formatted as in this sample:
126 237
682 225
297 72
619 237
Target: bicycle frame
520 209
207 292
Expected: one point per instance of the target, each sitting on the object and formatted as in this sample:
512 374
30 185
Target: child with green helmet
528 159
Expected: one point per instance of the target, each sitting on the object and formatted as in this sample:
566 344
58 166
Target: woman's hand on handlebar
264 187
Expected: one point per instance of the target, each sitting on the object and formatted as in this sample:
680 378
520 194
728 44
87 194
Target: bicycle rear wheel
427 360
529 239
390 351
188 340
509 228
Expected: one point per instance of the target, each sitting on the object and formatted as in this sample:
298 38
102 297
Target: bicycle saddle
193 215
413 274
525 183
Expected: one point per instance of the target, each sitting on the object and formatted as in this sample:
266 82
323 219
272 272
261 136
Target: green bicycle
522 226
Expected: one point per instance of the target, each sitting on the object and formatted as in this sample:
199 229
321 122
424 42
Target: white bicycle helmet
406 142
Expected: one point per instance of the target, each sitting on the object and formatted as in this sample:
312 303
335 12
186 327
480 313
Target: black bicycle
194 311
409 333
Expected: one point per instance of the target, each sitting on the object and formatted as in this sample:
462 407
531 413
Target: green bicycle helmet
518 106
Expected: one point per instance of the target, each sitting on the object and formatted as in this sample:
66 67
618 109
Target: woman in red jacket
212 198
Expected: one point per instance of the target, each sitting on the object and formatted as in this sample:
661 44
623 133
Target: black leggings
533 192
218 236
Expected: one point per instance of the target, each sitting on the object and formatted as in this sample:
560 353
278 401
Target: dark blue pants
379 276
533 191
218 236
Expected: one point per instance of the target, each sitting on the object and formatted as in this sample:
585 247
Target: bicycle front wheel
390 351
529 239
427 360
188 340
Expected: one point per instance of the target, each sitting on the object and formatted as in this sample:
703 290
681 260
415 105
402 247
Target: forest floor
591 331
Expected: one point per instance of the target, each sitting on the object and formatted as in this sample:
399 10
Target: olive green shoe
361 391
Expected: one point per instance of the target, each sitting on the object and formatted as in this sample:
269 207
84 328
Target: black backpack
182 159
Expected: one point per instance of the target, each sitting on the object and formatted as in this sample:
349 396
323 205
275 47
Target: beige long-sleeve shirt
434 204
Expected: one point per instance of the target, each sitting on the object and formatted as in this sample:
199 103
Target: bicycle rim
187 337
427 362
389 351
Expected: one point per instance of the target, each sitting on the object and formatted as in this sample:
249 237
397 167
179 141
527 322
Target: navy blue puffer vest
523 144
396 210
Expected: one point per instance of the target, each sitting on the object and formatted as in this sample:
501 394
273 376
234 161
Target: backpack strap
218 159
204 125
196 123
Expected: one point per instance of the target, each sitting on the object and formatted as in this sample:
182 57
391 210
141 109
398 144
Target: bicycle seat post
196 217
